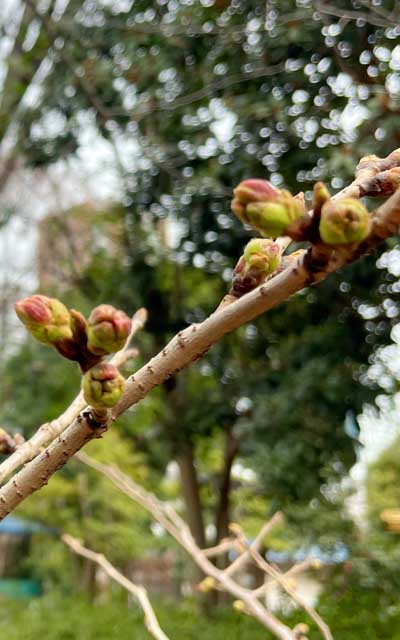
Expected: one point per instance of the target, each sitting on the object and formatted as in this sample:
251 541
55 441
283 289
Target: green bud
344 221
206 585
47 319
260 259
103 386
272 219
108 329
239 606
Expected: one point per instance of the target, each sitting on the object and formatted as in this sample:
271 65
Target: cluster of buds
261 258
67 330
103 386
275 212
81 340
269 210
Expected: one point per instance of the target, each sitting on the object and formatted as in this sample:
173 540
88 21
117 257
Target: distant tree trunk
222 517
223 508
88 579
191 494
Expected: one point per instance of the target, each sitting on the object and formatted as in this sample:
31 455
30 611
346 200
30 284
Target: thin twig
245 557
223 547
140 593
285 584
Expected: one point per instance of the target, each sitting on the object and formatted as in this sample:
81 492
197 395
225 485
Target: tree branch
311 266
139 592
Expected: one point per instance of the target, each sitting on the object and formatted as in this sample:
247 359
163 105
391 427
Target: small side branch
283 581
246 554
139 592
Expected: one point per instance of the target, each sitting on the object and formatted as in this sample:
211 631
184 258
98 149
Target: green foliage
351 614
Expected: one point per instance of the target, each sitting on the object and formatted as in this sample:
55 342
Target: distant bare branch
139 592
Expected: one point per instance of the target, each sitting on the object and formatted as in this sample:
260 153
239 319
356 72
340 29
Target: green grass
353 616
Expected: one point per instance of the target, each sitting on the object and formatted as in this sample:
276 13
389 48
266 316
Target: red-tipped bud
103 386
108 329
47 319
269 210
260 259
255 190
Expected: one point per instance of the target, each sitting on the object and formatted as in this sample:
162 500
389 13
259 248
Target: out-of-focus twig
140 593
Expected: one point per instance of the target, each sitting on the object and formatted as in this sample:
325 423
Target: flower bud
239 605
273 218
206 585
301 631
269 210
103 386
108 329
344 221
260 259
47 319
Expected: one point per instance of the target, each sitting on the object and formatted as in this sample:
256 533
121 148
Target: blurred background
124 127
